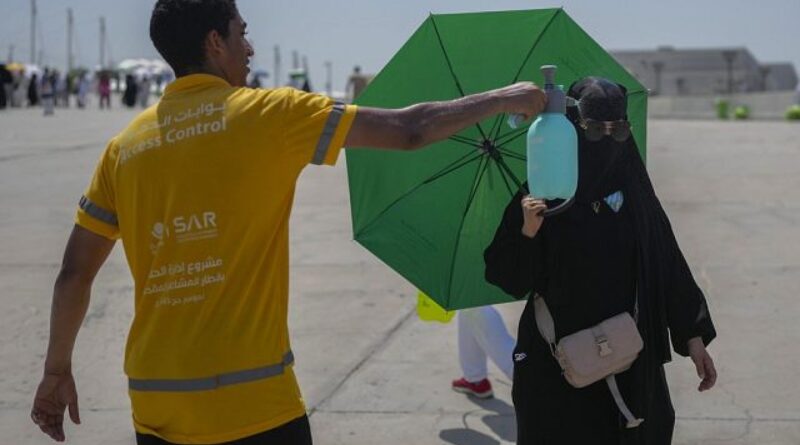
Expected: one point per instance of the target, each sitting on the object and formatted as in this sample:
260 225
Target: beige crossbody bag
596 353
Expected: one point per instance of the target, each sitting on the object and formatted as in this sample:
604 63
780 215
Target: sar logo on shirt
195 227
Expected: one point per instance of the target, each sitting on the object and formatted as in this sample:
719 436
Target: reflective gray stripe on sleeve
209 383
97 212
327 133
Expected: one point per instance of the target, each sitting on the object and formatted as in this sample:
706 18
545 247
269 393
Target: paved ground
370 371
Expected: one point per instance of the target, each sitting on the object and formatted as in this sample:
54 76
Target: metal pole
33 31
70 23
765 70
729 56
277 73
102 42
10 53
329 77
658 67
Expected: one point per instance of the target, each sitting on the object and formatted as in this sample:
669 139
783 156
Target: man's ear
214 43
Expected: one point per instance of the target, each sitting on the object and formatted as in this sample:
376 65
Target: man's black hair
178 29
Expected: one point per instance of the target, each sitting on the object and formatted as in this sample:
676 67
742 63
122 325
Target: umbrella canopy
144 67
132 64
30 70
431 213
14 66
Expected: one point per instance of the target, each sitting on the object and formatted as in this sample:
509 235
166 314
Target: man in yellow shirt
199 189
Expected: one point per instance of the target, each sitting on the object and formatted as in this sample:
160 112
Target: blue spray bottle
552 148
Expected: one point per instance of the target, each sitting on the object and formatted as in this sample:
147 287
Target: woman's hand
704 364
533 215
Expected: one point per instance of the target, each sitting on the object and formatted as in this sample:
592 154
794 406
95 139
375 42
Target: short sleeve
317 126
96 208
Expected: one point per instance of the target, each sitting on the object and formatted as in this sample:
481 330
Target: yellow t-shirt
199 188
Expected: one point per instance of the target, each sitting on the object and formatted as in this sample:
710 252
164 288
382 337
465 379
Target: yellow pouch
429 310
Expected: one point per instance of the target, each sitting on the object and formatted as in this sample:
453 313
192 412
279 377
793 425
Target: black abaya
587 263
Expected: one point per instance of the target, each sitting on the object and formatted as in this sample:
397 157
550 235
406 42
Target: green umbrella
430 214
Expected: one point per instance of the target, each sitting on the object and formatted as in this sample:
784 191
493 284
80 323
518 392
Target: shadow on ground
495 414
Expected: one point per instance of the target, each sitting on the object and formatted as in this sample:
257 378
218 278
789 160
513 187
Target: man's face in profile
236 59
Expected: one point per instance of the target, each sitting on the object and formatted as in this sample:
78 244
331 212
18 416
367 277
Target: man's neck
205 69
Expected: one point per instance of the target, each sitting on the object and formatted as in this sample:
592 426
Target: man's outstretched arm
422 124
85 254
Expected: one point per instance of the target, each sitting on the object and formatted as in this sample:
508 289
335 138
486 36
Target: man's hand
56 393
704 364
533 214
523 98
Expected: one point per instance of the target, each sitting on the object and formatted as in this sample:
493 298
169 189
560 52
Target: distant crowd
28 86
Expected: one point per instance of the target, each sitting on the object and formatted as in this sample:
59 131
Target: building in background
780 76
676 72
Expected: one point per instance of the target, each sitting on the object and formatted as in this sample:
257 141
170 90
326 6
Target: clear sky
368 32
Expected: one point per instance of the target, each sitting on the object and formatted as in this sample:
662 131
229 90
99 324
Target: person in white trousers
481 335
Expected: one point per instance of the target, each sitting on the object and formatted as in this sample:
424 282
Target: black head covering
600 99
598 161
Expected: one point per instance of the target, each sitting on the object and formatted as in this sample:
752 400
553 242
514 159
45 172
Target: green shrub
741 112
723 108
793 113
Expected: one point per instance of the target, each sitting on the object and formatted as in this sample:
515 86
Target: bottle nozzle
549 72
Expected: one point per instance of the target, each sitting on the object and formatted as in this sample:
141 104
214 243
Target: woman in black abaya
588 263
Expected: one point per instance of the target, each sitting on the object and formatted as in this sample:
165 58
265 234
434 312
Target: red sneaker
481 390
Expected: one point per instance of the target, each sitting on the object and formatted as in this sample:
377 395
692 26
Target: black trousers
296 432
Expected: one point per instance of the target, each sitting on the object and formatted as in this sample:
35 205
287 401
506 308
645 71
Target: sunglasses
594 130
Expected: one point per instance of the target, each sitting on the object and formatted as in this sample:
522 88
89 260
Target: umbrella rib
512 155
452 71
458 163
535 43
510 173
524 62
497 120
496 132
637 92
452 167
514 135
482 167
475 185
505 180
463 138
465 141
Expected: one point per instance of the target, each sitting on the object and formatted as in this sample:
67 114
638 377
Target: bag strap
546 325
544 321
632 422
